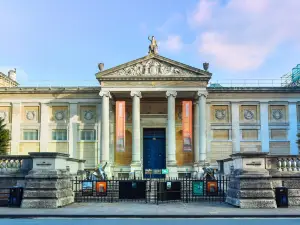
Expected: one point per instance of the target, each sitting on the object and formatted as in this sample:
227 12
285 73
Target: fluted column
171 95
136 136
105 126
202 125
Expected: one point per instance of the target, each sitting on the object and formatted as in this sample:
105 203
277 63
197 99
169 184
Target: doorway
154 151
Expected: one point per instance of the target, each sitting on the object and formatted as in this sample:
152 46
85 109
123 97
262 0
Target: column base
173 170
198 168
136 170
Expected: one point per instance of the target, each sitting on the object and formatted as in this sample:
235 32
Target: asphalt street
54 221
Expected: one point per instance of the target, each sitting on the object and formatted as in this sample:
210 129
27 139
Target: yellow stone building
81 121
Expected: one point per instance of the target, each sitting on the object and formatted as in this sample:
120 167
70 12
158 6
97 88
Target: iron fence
150 190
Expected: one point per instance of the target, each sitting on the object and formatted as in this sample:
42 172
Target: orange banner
187 125
120 125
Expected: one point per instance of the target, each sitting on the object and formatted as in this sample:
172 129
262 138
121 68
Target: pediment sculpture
152 67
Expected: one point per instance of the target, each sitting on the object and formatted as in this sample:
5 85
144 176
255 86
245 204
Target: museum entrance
154 151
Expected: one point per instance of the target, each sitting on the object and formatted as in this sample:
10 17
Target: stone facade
81 121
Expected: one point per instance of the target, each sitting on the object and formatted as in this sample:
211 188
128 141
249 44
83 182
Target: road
86 221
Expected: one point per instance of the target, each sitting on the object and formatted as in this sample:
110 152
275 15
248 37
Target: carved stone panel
31 114
5 113
88 114
249 113
220 114
278 114
152 67
59 114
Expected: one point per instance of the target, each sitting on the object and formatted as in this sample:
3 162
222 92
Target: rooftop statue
153 46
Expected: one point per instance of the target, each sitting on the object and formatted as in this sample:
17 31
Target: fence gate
150 190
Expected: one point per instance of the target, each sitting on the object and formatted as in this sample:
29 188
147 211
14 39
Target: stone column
171 95
235 115
293 128
105 126
196 135
15 128
44 137
264 130
136 134
98 133
202 125
73 127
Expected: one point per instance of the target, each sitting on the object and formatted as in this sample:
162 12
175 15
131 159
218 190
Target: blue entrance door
154 156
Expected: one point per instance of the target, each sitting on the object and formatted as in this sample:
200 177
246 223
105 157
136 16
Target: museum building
150 113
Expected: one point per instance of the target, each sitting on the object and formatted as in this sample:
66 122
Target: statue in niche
153 46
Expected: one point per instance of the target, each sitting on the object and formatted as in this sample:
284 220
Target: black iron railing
150 190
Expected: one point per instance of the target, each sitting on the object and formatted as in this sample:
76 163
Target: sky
61 42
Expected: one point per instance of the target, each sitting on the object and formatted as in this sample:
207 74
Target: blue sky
60 42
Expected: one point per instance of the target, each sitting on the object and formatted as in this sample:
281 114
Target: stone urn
101 66
205 66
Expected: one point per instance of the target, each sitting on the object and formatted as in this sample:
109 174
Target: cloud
172 44
202 13
241 35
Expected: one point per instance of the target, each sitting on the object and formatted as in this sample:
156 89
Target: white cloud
202 13
172 44
242 34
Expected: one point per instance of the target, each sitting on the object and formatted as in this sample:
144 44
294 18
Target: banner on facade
187 125
120 126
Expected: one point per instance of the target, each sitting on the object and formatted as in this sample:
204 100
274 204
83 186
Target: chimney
12 74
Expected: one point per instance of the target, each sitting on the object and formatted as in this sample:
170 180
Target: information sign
198 188
87 188
101 188
164 171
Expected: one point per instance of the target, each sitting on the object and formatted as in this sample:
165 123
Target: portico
153 89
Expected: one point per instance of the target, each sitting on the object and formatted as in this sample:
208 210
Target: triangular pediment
153 66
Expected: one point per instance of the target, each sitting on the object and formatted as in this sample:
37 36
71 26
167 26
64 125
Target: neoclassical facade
171 119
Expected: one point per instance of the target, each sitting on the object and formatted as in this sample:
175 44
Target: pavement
149 221
143 210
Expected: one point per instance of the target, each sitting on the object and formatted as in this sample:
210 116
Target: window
30 134
87 135
249 135
59 135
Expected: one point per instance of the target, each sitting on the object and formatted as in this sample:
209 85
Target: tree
4 138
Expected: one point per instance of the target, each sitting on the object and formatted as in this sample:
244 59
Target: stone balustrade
288 164
15 164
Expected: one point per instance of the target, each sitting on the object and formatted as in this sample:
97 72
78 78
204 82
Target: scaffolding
291 79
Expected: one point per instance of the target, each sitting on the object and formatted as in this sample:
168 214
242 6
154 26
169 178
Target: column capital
202 93
171 93
136 93
105 93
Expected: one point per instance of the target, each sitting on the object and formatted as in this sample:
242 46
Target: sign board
164 171
101 188
148 171
157 171
212 188
198 188
87 188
